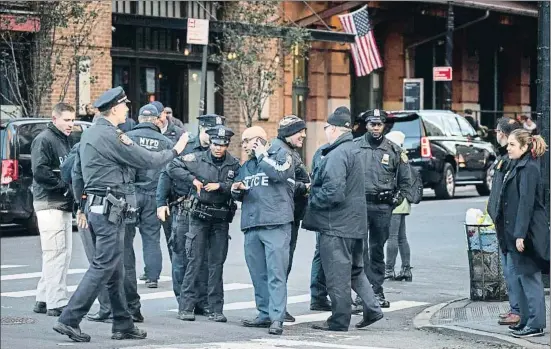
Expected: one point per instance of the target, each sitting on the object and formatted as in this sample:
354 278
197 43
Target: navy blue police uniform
106 155
210 213
387 178
148 135
172 191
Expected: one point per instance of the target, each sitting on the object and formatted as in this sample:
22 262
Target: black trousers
378 222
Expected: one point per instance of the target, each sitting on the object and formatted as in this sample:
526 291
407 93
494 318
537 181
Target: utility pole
543 82
448 92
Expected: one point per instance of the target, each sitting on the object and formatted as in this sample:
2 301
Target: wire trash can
485 269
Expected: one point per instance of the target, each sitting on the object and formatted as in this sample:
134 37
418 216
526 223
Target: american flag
364 52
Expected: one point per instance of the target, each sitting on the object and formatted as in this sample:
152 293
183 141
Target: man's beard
376 135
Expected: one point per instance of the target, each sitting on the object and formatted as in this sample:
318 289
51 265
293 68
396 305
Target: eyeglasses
247 140
326 126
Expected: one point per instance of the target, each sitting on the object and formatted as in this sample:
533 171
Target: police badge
218 120
221 132
189 157
231 174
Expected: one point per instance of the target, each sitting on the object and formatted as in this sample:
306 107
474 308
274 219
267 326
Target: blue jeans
267 257
511 282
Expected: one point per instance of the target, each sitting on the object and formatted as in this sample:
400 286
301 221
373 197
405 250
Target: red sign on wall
19 23
442 73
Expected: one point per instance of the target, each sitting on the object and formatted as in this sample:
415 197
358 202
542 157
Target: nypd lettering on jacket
148 143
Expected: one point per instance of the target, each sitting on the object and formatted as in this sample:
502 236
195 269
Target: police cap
160 107
375 115
149 110
211 120
111 98
220 134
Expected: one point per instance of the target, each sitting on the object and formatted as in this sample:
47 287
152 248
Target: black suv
446 149
16 136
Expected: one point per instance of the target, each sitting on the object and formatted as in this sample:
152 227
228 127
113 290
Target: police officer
147 134
266 188
386 178
210 173
106 153
175 190
290 136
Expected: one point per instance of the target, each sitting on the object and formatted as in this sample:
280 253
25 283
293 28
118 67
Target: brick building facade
494 58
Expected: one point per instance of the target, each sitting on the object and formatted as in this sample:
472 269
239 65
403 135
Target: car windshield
410 128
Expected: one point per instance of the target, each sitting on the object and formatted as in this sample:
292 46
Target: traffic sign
197 31
442 73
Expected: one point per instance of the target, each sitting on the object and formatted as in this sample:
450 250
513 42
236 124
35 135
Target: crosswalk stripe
9 266
169 294
252 305
70 288
35 275
322 316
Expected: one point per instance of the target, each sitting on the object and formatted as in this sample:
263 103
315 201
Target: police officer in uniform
210 173
106 155
171 192
386 178
147 134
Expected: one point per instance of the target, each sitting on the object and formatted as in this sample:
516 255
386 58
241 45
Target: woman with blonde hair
522 219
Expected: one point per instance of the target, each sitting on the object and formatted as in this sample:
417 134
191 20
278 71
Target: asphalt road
440 273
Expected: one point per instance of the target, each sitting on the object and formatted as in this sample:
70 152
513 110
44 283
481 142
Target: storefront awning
19 23
523 8
218 27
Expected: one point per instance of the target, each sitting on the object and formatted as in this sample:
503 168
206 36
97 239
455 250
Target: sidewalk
479 318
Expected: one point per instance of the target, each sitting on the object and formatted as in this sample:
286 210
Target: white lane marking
170 294
9 266
36 275
302 344
161 279
394 306
263 343
252 305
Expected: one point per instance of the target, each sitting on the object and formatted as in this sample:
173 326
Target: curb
422 322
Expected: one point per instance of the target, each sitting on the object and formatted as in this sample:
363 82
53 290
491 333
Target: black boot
405 275
383 303
389 274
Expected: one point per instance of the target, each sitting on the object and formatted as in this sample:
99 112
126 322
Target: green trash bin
485 269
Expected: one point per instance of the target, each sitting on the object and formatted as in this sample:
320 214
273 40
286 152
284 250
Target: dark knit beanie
290 125
340 117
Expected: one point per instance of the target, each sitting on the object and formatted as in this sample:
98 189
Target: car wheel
485 188
32 225
445 189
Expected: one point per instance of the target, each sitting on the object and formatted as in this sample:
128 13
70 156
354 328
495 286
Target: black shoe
134 333
389 274
358 301
204 311
367 322
276 328
99 317
217 317
325 327
383 303
321 306
517 327
186 316
143 277
55 312
73 333
289 317
137 317
151 284
40 308
404 275
528 332
256 322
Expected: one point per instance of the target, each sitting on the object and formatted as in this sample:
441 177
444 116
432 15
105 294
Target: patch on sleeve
125 139
404 157
189 157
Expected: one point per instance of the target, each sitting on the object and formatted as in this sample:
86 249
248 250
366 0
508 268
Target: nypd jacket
385 166
167 190
173 132
201 166
270 184
48 152
336 203
149 136
301 178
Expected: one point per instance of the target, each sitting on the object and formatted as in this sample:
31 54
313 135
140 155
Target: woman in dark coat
522 219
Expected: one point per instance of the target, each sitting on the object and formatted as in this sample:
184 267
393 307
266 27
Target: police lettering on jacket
259 179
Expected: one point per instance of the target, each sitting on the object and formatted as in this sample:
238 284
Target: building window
194 96
300 83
